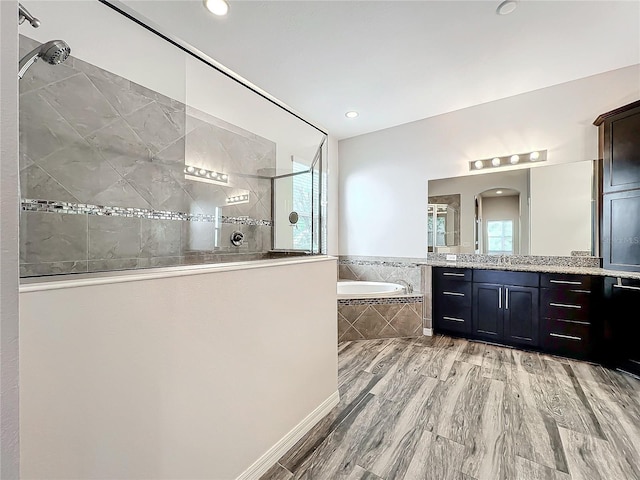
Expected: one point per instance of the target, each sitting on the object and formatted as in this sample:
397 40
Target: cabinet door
621 231
626 327
620 150
521 315
487 311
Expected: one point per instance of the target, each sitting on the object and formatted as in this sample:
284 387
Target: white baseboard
428 332
271 456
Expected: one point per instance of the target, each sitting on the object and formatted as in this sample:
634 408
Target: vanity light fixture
509 160
217 7
235 200
204 175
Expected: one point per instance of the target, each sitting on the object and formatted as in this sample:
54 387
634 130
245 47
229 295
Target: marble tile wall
92 138
381 269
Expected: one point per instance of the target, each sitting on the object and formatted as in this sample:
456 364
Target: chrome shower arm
28 60
23 14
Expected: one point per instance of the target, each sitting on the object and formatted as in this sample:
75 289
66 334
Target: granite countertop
536 268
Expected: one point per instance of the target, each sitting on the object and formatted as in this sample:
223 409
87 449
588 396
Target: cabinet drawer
565 304
524 279
565 281
446 273
453 317
566 337
454 292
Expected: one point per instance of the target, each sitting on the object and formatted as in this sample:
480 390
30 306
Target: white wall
333 199
184 377
9 399
553 231
383 175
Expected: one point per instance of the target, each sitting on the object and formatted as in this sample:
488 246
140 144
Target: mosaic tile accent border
381 300
32 205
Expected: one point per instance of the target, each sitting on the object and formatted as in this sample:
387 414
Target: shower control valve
237 238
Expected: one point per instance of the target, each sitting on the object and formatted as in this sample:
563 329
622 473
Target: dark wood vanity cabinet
505 307
619 195
569 323
452 300
621 348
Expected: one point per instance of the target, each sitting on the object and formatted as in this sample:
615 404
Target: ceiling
399 61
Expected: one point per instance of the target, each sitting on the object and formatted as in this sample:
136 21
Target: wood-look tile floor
440 408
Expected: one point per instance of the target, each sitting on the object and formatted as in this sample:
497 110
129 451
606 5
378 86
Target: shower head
53 52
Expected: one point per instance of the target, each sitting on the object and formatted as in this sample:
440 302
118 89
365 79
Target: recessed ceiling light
351 114
217 7
506 7
498 192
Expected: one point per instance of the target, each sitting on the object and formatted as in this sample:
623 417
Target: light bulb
514 159
533 156
191 169
478 164
495 162
217 7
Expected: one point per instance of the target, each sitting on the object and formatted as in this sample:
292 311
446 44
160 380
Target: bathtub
362 289
370 310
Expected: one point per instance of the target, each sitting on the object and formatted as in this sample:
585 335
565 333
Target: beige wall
9 355
195 376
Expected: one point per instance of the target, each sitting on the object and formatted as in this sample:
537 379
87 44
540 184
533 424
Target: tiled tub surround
95 140
383 317
388 269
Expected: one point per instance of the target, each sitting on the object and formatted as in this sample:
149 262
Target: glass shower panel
135 153
297 204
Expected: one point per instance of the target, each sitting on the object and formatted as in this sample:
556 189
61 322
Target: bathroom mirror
545 210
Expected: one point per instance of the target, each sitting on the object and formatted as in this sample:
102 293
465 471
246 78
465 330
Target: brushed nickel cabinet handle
500 297
627 287
506 299
564 305
577 322
447 274
457 294
568 337
565 282
454 319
